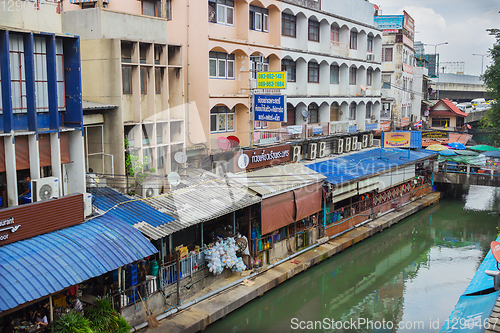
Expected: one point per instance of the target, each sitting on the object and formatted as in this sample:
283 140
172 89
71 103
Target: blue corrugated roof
42 265
131 212
349 167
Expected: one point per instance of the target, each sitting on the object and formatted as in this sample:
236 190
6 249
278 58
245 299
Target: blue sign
389 22
270 107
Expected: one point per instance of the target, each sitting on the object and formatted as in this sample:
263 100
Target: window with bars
352 75
221 119
221 65
258 64
313 113
386 82
313 30
369 77
259 19
127 79
288 25
259 124
151 8
313 72
335 34
369 44
352 111
290 115
334 74
368 111
440 122
353 41
289 67
387 54
221 12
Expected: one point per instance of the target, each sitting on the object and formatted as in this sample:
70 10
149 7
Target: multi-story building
131 69
398 58
332 57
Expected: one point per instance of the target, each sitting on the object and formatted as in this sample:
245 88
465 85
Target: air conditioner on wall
312 149
338 146
364 141
87 199
347 144
44 188
354 143
296 151
150 189
322 149
370 140
360 146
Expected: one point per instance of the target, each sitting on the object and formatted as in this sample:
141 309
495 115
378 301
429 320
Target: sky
461 23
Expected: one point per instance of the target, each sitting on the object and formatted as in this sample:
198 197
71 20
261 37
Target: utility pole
437 64
482 59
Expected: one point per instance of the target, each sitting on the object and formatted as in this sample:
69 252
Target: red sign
385 126
495 250
250 159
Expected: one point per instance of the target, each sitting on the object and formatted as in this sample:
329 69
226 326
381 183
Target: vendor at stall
41 318
76 304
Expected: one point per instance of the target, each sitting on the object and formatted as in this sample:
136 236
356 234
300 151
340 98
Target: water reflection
412 273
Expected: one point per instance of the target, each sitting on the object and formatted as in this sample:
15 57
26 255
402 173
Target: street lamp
482 60
435 59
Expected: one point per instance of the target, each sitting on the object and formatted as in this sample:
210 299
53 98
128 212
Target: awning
37 267
396 177
277 212
368 185
82 1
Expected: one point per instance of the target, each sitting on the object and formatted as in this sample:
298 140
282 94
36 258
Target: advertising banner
389 21
271 80
435 135
256 158
270 107
397 140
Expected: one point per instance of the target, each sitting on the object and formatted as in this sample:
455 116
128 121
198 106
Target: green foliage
72 322
134 166
103 318
491 78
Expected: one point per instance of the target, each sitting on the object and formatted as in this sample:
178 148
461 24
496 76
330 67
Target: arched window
313 113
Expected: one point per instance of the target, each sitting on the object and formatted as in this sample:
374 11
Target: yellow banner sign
271 80
397 139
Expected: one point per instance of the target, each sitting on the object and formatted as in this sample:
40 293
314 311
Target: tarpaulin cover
307 200
471 311
277 212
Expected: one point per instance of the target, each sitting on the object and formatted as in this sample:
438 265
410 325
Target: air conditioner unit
312 149
370 140
220 168
296 151
338 146
347 147
354 143
376 142
150 189
44 188
322 149
360 145
370 57
87 198
364 142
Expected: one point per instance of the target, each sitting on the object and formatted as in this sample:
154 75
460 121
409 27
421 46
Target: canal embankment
204 311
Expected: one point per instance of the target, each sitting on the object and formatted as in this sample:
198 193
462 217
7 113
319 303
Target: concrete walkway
208 311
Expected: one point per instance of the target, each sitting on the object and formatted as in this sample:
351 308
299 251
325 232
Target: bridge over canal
466 177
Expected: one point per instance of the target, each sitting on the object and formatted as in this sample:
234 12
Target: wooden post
178 267
51 307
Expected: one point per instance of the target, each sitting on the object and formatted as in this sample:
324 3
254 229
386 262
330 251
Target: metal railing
188 266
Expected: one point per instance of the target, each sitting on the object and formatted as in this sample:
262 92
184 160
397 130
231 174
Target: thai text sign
256 158
435 135
271 80
269 107
389 21
397 139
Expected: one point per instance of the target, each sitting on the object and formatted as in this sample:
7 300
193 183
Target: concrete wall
357 10
23 14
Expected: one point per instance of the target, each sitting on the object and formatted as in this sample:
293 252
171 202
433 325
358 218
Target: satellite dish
223 143
174 179
305 113
180 157
233 140
243 161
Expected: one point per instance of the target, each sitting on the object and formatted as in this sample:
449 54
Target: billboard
256 158
396 139
269 107
408 26
385 22
271 80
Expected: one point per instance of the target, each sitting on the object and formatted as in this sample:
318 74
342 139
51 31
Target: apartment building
398 60
332 57
135 75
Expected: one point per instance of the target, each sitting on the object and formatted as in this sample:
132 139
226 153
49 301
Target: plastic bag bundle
223 255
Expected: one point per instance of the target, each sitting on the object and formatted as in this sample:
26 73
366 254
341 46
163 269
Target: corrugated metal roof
347 168
274 180
89 106
42 265
128 209
415 139
207 198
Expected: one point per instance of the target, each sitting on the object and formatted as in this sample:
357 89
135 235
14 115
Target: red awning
307 200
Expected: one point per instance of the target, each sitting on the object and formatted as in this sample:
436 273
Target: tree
491 78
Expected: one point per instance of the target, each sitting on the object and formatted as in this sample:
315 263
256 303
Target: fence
188 266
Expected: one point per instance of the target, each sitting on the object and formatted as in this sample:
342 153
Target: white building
331 52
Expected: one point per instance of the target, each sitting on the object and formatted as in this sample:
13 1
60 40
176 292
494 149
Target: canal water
406 279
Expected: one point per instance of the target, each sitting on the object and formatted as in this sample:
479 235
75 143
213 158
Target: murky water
406 279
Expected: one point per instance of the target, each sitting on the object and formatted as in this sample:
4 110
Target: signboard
408 26
435 135
270 107
26 221
385 126
397 139
404 122
407 68
389 21
407 41
271 80
317 130
256 158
